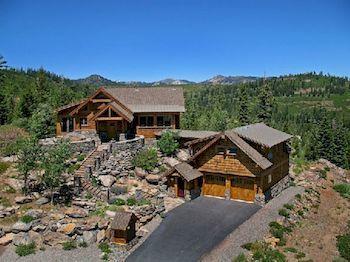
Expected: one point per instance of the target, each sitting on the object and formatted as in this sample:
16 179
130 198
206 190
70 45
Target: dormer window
232 151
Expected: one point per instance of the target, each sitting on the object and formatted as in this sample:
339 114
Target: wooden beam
101 100
109 118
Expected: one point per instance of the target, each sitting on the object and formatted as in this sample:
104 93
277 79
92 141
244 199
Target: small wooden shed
122 228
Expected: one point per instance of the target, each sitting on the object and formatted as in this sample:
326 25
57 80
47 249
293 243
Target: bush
278 230
27 219
168 143
119 202
247 246
240 258
262 252
69 245
323 174
4 166
298 196
146 159
25 250
81 157
42 122
131 201
9 135
104 247
343 189
299 255
83 244
71 169
143 202
283 212
288 206
343 245
291 250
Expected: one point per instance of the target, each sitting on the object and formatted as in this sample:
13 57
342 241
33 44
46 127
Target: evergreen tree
265 104
243 109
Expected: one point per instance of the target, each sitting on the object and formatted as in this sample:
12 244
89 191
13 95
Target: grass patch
298 196
27 219
343 245
291 249
81 157
300 255
277 230
343 189
288 206
119 202
262 252
5 201
83 244
131 201
323 174
4 166
105 248
25 250
69 245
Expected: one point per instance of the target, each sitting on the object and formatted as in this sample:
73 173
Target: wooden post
176 187
67 124
228 188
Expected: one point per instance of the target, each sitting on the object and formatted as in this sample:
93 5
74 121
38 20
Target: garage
214 185
242 188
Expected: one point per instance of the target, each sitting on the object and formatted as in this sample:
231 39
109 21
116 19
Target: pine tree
265 104
243 109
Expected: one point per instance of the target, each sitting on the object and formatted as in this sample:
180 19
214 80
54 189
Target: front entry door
180 187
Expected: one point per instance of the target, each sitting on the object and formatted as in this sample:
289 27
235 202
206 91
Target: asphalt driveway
193 229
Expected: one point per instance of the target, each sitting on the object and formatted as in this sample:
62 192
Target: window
220 149
232 151
146 120
270 155
269 179
211 179
83 121
163 120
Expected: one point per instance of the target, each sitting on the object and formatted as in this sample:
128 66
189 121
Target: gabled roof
187 171
122 219
117 108
262 134
150 99
61 108
190 134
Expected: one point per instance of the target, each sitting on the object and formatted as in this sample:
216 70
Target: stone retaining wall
275 190
133 146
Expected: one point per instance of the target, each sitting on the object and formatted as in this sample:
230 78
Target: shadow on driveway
193 229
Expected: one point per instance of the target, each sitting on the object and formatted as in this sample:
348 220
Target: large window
146 120
163 120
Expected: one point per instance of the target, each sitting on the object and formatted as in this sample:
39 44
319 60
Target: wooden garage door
214 185
242 188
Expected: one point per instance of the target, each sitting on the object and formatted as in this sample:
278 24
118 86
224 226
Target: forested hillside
313 107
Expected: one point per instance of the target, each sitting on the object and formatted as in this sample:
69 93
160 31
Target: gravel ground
251 230
91 253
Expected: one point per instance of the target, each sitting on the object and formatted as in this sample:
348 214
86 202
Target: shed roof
187 171
150 99
262 134
121 220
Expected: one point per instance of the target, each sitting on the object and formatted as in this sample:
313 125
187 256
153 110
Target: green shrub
299 255
247 246
298 196
343 189
131 201
282 242
82 244
343 245
146 159
119 202
291 249
283 212
27 219
327 169
5 201
301 213
143 202
288 206
168 143
277 230
25 250
323 174
240 258
4 166
72 168
88 195
81 157
69 245
264 253
105 257
105 248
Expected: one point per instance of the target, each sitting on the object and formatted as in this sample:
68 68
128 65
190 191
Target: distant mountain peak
95 80
229 80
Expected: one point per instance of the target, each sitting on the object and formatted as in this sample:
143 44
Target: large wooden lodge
244 163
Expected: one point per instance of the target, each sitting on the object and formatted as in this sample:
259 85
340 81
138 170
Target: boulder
103 224
6 239
35 213
67 229
101 236
16 184
76 212
107 180
56 216
89 237
20 226
23 199
54 238
42 201
36 238
21 238
39 228
152 179
110 213
140 172
170 161
183 155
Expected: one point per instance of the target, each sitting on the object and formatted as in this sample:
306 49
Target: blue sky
151 40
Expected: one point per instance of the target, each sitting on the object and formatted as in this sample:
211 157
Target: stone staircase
91 163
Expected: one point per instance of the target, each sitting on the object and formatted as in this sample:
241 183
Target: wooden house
241 164
112 112
122 229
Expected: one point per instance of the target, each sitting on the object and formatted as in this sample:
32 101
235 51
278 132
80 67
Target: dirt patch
316 234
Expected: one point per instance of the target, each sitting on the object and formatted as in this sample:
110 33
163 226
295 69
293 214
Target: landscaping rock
76 212
153 179
23 199
67 229
42 201
101 236
35 213
54 238
2 232
16 184
56 216
140 172
170 161
89 237
21 238
110 213
39 228
107 180
183 155
6 239
21 227
103 224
